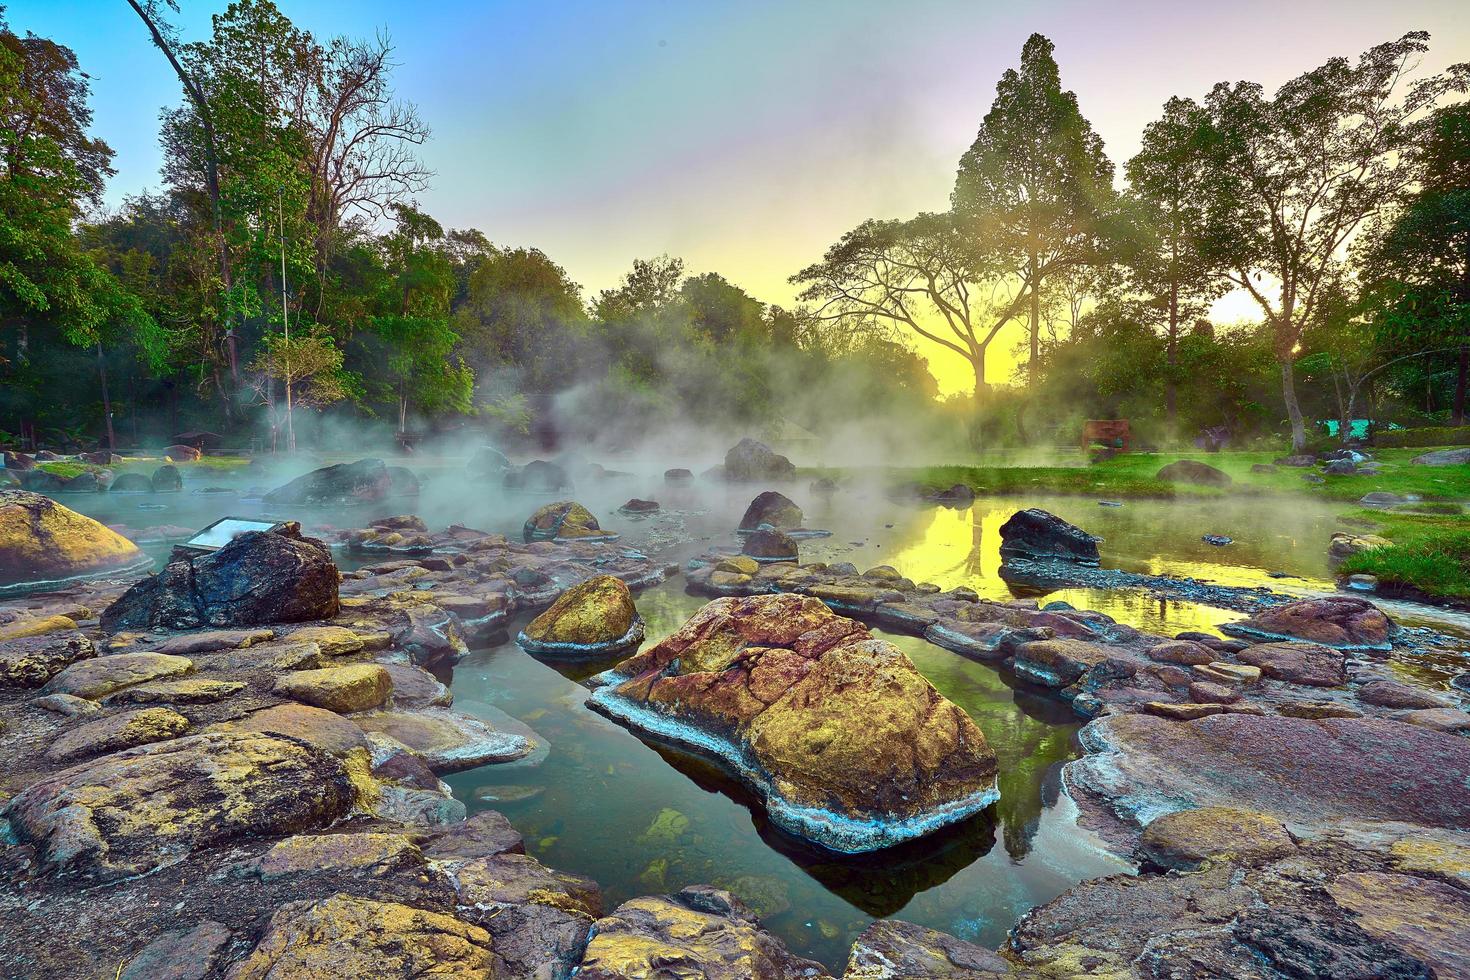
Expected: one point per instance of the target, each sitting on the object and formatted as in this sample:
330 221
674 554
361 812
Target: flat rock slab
1305 773
325 730
179 954
448 740
97 678
1184 840
1310 664
1345 622
132 811
208 641
893 950
115 732
371 854
1425 918
190 690
33 660
353 687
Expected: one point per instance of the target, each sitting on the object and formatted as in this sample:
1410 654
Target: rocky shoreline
244 799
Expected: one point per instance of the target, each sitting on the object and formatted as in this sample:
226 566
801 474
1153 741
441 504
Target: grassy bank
146 465
1429 554
1133 475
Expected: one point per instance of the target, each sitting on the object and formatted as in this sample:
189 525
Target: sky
744 136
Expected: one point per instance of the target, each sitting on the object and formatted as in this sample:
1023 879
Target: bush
1427 436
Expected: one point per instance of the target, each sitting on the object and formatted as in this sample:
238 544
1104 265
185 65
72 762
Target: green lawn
1132 475
146 465
1430 553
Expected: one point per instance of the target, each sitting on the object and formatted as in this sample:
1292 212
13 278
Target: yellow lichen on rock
41 540
40 626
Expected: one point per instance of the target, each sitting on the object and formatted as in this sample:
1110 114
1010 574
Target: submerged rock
1192 471
594 618
538 476
1344 622
1035 533
768 544
844 739
259 578
342 483
893 950
700 932
43 541
749 460
636 505
564 520
773 508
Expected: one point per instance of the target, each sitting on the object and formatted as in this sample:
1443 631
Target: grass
1132 475
1429 554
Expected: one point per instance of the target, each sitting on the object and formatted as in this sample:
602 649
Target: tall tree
926 274
1171 265
1418 262
1036 185
1295 175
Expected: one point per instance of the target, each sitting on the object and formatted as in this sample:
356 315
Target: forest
283 275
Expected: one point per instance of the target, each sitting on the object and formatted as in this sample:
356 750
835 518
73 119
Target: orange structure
1113 433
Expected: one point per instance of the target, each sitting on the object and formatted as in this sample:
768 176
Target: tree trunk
1461 373
1293 410
1031 365
1171 411
106 399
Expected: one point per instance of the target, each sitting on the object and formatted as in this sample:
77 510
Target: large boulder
487 461
342 483
749 460
31 661
700 932
1035 533
538 476
596 617
1310 664
1344 622
343 936
133 811
353 687
41 481
773 508
563 521
768 544
836 730
1444 457
131 483
182 454
17 461
42 541
166 479
259 578
1192 471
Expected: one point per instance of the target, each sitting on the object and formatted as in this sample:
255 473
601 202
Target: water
640 817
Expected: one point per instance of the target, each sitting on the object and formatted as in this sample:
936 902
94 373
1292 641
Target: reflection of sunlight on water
953 547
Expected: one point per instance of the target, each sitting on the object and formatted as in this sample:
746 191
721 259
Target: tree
1418 262
1170 208
1295 175
522 312
926 274
1035 186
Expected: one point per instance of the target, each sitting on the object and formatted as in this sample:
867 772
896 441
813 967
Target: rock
41 481
485 834
194 690
324 730
414 687
17 461
768 544
1035 533
448 740
1448 720
1299 460
678 476
182 454
42 541
84 482
259 578
1362 583
95 678
1208 692
66 705
893 950
1345 543
738 565
1298 663
1313 478
843 738
638 506
402 482
30 661
487 461
1444 457
343 483
372 854
179 796
166 479
179 954
748 461
344 936
29 626
1184 652
1059 663
116 732
1234 675
773 508
1184 840
131 483
564 521
1192 471
956 495
1392 694
354 687
1382 498
1344 622
1308 773
1263 468
1317 709
209 641
700 932
332 641
1340 467
1424 918
596 617
1183 710
538 476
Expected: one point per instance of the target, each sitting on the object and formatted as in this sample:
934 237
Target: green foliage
1429 556
1424 436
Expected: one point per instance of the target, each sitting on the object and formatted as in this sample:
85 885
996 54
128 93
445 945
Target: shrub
1427 436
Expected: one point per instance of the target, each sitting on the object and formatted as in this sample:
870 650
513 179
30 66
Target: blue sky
743 135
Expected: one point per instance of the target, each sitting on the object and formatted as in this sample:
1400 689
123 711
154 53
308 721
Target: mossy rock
594 617
41 541
562 521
